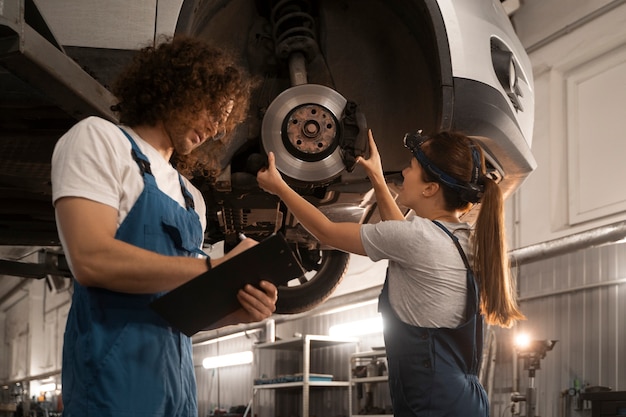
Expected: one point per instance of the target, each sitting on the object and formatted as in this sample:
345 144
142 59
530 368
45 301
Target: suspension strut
293 30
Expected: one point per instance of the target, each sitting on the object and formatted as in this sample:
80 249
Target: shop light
239 358
349 307
49 387
246 333
522 341
357 328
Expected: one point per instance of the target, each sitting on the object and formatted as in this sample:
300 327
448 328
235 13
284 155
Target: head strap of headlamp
470 192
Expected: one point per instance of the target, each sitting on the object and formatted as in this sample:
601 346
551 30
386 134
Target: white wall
33 321
579 140
536 20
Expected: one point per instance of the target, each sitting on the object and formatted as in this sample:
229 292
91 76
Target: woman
443 276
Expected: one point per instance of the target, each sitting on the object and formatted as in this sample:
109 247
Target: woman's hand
269 178
387 206
372 165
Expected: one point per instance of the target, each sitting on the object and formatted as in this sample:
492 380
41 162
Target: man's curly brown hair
176 80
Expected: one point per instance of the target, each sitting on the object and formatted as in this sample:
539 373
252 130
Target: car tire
328 268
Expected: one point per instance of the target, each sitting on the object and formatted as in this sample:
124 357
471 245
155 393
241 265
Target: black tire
328 268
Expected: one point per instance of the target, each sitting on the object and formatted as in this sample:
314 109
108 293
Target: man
132 228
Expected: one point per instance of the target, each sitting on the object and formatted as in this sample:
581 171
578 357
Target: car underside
327 71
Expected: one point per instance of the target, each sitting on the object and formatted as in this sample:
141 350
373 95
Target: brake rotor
302 128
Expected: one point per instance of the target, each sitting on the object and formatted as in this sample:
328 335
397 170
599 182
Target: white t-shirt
93 161
426 276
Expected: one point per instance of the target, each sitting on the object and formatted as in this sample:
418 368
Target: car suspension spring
294 28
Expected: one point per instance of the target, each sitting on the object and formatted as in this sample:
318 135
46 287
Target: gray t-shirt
426 276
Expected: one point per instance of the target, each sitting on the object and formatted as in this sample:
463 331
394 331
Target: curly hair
177 80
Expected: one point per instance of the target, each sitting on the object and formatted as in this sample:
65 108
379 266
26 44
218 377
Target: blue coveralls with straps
433 371
120 358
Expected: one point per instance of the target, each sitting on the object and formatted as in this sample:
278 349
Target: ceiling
45 88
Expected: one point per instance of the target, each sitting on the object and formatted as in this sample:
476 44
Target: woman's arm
344 236
387 206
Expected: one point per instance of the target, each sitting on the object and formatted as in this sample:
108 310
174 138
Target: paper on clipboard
209 297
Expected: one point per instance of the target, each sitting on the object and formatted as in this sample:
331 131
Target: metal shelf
301 384
370 379
361 358
304 344
314 341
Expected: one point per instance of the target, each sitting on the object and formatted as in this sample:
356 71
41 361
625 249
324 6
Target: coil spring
292 19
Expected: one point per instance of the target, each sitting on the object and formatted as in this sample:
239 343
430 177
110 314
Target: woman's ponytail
491 262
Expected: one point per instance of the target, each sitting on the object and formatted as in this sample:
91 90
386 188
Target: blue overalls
120 359
433 371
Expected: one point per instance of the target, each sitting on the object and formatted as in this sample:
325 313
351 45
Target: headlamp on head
470 192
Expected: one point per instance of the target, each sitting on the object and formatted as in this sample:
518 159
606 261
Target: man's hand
258 304
242 246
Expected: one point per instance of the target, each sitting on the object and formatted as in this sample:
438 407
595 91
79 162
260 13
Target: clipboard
209 297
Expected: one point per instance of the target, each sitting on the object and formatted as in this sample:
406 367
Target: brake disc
302 127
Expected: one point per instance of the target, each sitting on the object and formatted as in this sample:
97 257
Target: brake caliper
354 140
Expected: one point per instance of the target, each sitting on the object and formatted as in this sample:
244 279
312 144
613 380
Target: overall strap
472 308
138 156
144 167
456 242
186 194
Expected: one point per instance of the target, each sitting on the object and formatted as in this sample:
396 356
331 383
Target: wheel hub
312 130
301 126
